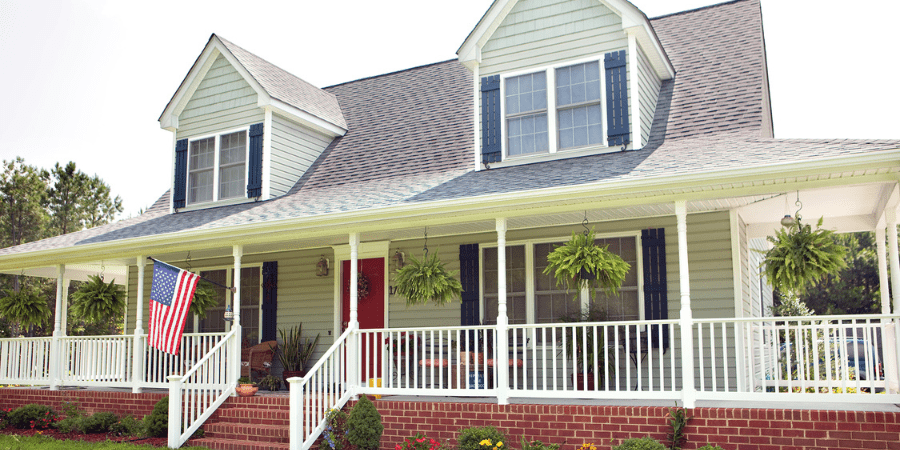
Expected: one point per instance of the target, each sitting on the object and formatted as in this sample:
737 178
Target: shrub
472 438
364 425
32 416
710 447
70 424
270 383
157 423
335 433
644 443
127 426
99 422
538 445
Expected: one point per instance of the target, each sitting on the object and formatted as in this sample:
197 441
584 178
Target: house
557 116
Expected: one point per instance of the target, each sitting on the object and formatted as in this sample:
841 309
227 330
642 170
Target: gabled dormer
245 130
562 78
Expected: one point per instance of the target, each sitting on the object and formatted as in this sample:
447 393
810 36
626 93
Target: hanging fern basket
580 263
204 298
427 280
801 256
96 301
26 307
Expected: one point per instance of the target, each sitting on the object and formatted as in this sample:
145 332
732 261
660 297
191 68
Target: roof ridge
391 73
687 11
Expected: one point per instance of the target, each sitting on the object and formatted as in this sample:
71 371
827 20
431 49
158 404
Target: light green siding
223 101
294 149
649 93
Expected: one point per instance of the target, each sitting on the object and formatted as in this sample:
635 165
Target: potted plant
800 256
245 387
270 383
427 280
581 263
96 301
295 352
582 338
25 307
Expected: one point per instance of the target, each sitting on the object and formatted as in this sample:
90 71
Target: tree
23 198
78 201
856 288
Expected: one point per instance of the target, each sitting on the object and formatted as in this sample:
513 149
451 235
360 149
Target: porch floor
784 405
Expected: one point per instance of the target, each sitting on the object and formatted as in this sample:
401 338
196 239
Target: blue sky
86 80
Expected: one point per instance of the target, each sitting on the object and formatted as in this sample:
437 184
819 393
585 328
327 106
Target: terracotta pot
246 390
578 379
291 374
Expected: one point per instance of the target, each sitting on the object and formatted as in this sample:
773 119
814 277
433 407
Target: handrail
340 341
208 355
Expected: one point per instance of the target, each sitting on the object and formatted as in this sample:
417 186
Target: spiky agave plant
96 301
26 307
801 256
427 280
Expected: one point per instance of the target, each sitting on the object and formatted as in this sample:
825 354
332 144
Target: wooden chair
258 359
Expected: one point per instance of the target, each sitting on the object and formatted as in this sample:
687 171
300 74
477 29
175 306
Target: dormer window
217 174
559 108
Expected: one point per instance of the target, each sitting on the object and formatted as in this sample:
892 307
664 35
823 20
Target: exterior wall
571 425
223 101
766 294
649 93
538 34
294 149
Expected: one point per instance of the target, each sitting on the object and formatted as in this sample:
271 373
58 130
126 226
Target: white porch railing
25 361
196 395
95 360
323 388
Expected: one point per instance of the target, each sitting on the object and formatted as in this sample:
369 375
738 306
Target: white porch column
238 252
686 319
890 343
353 323
137 366
58 331
501 354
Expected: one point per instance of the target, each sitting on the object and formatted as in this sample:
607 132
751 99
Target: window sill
207 205
561 154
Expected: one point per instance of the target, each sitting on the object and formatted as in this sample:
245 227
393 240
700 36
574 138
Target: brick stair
248 423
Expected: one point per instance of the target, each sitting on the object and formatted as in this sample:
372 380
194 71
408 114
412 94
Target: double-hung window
534 297
217 167
251 301
556 109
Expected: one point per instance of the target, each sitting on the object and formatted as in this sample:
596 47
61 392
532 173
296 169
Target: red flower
420 440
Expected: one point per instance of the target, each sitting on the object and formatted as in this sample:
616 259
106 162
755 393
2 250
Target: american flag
170 299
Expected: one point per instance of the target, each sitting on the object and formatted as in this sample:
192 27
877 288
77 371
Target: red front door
370 310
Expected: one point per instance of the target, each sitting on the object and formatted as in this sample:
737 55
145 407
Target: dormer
560 79
245 130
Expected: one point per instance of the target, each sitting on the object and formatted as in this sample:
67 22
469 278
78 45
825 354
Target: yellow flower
499 444
486 442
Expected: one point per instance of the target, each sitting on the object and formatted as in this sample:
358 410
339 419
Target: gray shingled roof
410 137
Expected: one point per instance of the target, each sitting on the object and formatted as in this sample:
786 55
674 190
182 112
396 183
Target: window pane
623 306
580 126
200 162
214 321
527 134
231 182
580 82
526 93
232 156
250 299
200 186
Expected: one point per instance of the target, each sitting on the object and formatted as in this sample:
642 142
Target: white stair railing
325 387
195 396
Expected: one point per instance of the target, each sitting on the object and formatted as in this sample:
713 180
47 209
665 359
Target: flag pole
230 288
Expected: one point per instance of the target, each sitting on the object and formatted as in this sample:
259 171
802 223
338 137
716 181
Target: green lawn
10 442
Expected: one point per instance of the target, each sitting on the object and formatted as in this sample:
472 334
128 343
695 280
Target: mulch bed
92 437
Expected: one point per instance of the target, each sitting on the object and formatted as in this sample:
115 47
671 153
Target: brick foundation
121 403
569 425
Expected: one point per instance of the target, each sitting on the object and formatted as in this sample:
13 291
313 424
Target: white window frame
553 113
217 167
584 295
229 281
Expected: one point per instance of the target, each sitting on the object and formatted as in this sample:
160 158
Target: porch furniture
258 359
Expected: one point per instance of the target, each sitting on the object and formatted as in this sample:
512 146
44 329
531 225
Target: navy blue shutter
269 326
656 305
254 174
180 189
468 277
617 127
490 120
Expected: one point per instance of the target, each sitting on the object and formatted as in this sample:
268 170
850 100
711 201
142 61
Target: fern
801 256
26 307
569 263
96 301
428 279
204 298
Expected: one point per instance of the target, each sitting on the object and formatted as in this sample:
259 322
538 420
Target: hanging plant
580 263
800 256
26 307
204 298
96 301
427 280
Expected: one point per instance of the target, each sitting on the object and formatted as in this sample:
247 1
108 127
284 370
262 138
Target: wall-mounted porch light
322 267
